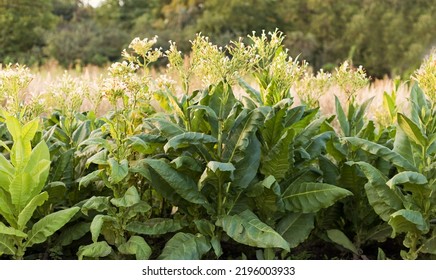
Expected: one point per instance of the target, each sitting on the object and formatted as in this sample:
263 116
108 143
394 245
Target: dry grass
51 73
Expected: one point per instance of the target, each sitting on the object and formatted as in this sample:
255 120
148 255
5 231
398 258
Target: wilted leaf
94 250
136 246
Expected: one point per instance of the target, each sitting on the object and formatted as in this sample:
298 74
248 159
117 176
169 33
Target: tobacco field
214 158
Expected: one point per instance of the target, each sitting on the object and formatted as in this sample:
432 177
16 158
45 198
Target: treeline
386 36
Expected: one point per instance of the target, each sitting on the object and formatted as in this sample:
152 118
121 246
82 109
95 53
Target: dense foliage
227 170
388 37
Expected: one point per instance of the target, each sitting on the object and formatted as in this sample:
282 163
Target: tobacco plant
22 179
406 200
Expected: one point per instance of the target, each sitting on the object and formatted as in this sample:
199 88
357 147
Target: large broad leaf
61 167
72 233
273 128
166 127
216 172
98 203
48 225
413 182
403 146
11 231
429 246
29 181
188 139
119 170
340 238
240 135
98 223
247 167
7 245
180 183
91 177
27 212
408 221
412 130
130 198
155 226
246 228
136 246
6 172
381 151
7 209
277 160
311 197
383 200
94 250
185 246
296 227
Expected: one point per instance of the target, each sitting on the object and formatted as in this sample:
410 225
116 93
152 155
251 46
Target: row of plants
229 170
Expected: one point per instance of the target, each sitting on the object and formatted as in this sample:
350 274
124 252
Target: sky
93 3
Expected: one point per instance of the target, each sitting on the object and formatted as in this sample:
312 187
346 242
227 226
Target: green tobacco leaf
247 167
253 93
7 245
185 246
273 128
413 182
246 228
402 146
383 200
130 198
61 165
408 221
82 132
216 171
277 160
27 212
72 233
155 226
98 203
145 143
4 230
99 158
136 246
48 225
188 139
166 127
29 130
412 130
343 121
241 133
429 246
7 209
205 227
91 177
94 250
119 170
97 225
296 227
6 172
340 238
389 104
29 181
381 151
180 183
311 197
